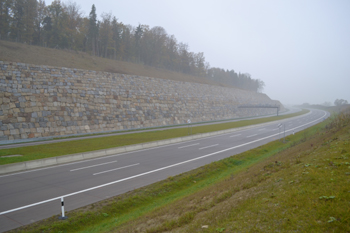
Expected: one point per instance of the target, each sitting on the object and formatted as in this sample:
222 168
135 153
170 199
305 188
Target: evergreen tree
126 45
116 37
138 35
47 30
17 24
39 22
5 18
93 30
29 20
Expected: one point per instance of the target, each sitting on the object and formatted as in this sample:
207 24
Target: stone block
4 138
5 107
14 131
21 119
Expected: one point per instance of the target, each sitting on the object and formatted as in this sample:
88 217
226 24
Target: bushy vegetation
62 26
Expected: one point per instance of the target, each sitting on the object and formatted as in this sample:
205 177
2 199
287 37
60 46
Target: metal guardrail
260 106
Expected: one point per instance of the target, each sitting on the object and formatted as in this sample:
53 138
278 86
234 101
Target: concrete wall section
41 101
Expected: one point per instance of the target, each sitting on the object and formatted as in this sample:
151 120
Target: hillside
18 52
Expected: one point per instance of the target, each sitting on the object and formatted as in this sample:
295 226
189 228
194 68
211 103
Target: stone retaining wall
40 101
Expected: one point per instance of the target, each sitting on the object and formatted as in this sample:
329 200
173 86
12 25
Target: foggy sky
300 49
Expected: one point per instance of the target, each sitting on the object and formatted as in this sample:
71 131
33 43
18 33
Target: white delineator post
62 208
279 131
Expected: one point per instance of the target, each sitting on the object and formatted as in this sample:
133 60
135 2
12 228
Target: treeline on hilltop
62 26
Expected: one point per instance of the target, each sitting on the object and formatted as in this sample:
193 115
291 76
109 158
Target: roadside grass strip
84 145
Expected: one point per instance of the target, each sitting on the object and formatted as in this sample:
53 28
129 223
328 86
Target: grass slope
302 189
18 52
78 146
302 185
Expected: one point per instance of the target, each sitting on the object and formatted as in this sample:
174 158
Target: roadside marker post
189 126
279 131
62 209
284 130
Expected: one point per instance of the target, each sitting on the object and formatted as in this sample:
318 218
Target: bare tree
74 24
339 102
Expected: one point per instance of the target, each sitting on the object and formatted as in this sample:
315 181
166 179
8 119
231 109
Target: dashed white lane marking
261 129
116 169
235 135
251 135
188 146
207 147
81 168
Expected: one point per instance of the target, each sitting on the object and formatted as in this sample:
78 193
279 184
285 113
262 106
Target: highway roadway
29 196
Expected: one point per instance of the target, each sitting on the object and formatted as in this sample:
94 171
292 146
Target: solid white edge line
116 169
149 172
100 164
207 147
188 146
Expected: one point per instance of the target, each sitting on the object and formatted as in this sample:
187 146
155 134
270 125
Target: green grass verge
77 146
118 212
302 189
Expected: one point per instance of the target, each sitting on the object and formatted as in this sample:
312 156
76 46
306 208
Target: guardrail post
62 209
189 126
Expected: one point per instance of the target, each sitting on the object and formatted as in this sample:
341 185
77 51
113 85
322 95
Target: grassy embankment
18 52
302 185
83 145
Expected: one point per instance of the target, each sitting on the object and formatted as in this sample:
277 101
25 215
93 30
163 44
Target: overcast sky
299 48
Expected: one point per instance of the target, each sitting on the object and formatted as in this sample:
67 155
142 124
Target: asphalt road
27 197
